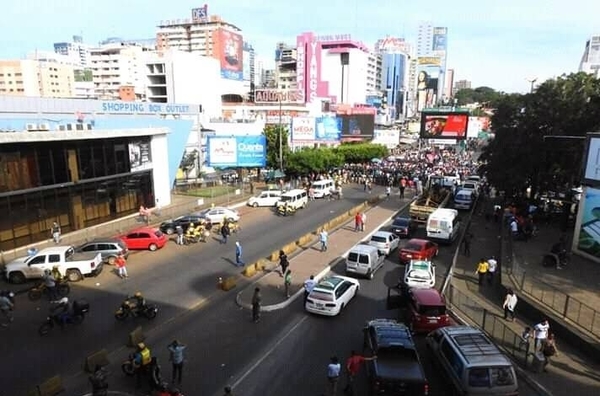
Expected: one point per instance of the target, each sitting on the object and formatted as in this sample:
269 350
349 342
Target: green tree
272 134
313 160
477 95
83 75
539 137
362 152
189 162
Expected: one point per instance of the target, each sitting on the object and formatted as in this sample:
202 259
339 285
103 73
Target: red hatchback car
145 238
426 310
418 249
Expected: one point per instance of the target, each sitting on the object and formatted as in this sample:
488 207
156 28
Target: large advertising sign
587 235
444 125
228 47
427 81
308 69
304 129
357 126
236 151
200 14
140 157
275 96
393 45
591 172
320 129
440 35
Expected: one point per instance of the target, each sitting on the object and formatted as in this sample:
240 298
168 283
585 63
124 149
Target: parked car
218 214
418 249
265 198
426 310
145 238
397 370
385 241
404 227
109 248
331 295
169 226
419 274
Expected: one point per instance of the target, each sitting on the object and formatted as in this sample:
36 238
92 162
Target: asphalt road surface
182 280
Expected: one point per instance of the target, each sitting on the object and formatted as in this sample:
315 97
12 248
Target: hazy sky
500 44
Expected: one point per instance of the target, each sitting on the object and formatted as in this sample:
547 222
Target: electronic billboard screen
358 126
444 125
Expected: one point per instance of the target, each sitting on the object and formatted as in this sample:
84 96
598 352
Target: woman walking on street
256 301
510 302
549 350
283 262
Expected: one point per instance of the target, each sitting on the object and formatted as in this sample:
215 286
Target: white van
472 362
364 260
322 188
464 199
443 225
294 198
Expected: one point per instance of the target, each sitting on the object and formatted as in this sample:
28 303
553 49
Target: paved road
182 280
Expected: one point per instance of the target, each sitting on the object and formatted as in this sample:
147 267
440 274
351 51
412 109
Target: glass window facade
76 183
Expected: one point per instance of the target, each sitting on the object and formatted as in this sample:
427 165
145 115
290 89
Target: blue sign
200 14
232 75
328 128
146 108
236 151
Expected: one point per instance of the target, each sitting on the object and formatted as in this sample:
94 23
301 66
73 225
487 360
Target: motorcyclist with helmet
62 310
139 302
6 305
50 283
141 361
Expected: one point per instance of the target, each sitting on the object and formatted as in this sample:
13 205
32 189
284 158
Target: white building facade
76 51
358 78
590 61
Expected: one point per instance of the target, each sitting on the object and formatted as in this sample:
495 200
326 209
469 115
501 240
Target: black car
404 227
169 226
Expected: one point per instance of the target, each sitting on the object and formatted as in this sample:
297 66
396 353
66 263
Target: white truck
73 266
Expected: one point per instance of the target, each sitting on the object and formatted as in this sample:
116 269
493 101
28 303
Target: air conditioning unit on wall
43 127
31 127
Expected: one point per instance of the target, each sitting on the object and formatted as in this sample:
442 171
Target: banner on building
140 156
272 96
428 75
387 137
228 47
236 151
444 125
304 129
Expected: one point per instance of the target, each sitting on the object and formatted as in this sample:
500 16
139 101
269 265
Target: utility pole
531 81
280 133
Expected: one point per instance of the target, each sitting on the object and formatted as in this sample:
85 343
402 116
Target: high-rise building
449 81
394 82
28 77
268 78
118 71
208 36
76 50
249 70
431 44
462 84
286 59
590 61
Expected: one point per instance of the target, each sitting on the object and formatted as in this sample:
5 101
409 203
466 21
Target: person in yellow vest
141 361
482 270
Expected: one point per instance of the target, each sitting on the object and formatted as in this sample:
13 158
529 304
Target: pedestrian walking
364 220
402 187
323 237
6 306
55 232
256 301
492 267
482 269
225 232
309 285
179 231
510 302
121 265
526 337
353 364
357 222
177 358
549 350
333 375
540 334
238 254
287 282
467 244
283 262
388 191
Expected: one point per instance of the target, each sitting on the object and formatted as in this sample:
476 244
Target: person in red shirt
353 364
358 222
121 265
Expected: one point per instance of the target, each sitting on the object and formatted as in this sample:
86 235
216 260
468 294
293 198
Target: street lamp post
280 133
531 81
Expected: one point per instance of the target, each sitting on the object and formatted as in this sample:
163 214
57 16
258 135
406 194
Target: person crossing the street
482 270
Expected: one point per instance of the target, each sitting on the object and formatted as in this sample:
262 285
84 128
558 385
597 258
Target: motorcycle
233 226
283 210
62 290
557 260
127 308
200 236
80 308
130 368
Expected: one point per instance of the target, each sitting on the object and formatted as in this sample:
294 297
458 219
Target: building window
18 74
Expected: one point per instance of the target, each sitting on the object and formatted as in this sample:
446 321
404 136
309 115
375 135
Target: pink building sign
308 69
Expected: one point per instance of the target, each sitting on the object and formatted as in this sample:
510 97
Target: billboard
357 126
587 231
428 74
140 157
320 129
200 14
591 171
304 129
236 151
440 35
276 96
444 125
228 49
393 45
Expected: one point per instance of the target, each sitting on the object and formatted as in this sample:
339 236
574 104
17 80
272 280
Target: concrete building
590 61
432 43
268 78
286 58
182 77
76 50
27 77
449 81
87 162
249 68
394 82
208 36
117 65
462 84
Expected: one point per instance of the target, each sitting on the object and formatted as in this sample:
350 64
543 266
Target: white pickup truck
70 264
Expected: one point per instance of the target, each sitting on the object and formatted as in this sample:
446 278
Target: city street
181 279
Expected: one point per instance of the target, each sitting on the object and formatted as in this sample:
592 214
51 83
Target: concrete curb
324 271
539 388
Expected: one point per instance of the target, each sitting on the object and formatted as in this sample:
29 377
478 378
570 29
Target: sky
500 44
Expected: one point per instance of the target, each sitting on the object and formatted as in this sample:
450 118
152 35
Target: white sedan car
420 274
265 198
218 214
331 295
385 241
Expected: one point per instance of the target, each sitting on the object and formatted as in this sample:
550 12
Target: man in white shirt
309 285
514 228
333 375
364 220
492 266
540 334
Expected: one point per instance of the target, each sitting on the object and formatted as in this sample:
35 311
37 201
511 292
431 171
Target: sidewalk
311 261
569 371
